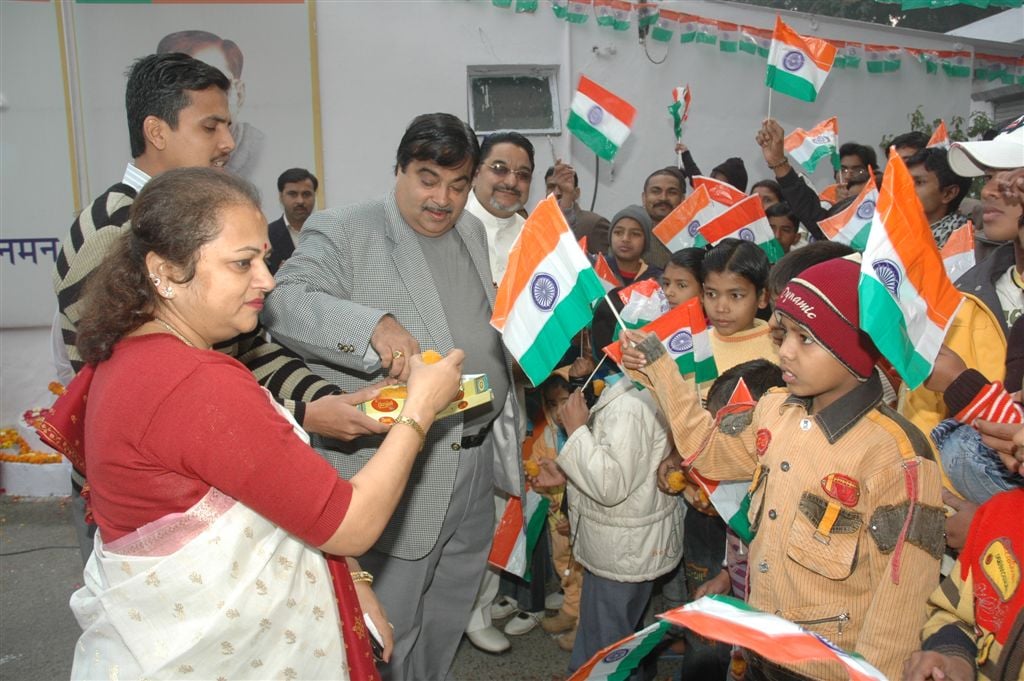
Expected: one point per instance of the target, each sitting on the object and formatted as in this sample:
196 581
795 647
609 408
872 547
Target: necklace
174 331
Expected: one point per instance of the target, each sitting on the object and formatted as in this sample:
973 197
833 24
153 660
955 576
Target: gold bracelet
362 576
414 424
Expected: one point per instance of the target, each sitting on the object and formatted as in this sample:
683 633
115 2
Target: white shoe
554 601
522 623
489 640
503 607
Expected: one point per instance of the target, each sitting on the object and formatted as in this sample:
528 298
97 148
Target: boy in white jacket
624 532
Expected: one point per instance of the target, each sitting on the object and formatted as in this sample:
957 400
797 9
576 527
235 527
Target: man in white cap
997 280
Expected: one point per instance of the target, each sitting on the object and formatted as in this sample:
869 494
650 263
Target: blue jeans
974 469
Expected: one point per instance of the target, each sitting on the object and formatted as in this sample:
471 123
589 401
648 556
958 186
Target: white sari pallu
216 592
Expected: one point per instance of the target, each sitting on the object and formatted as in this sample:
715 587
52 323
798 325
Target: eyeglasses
854 172
502 171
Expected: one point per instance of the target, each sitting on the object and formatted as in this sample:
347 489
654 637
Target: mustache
510 190
437 209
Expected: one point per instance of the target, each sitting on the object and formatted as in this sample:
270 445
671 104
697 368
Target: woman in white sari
214 513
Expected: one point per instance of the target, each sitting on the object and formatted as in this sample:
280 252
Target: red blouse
165 422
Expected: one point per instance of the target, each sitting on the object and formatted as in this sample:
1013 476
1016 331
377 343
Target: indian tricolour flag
644 302
746 220
684 333
798 65
681 228
545 297
728 36
600 119
882 58
617 661
955 64
679 109
907 301
722 194
517 533
729 497
829 195
578 11
728 619
940 138
666 26
604 272
755 41
809 147
958 251
613 13
852 225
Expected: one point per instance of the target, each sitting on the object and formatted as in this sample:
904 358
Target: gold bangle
414 424
362 576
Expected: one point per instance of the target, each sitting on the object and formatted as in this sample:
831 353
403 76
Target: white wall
35 167
368 100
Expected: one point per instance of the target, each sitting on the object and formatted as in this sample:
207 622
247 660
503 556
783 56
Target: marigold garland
11 439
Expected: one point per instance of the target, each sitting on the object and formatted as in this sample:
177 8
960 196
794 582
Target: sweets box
475 390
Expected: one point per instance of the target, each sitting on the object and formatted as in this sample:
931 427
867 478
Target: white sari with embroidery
216 592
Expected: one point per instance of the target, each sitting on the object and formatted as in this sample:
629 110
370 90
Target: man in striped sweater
178 117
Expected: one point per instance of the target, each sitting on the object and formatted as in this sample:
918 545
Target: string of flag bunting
665 25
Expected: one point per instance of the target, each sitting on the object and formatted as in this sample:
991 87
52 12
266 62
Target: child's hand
574 412
562 527
1007 439
632 358
581 367
548 475
929 665
720 584
948 365
670 464
958 523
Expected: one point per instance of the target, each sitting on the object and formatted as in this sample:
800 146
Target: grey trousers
609 611
429 600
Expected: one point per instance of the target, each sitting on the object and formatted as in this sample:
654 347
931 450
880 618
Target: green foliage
960 130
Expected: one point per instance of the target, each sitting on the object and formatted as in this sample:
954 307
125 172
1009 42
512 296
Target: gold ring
396 354
392 626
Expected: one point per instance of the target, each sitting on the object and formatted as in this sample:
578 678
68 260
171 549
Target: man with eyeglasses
368 287
854 162
501 188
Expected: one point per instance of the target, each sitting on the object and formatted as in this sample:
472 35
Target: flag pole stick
770 102
554 154
597 174
679 156
603 358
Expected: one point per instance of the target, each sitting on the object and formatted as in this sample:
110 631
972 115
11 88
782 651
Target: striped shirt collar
135 178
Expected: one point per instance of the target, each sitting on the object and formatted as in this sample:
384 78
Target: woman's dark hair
174 216
741 257
441 138
793 263
691 259
770 185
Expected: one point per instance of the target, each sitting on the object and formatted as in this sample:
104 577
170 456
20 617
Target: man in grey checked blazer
368 286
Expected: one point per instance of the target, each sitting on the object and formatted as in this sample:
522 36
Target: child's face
785 231
809 370
679 284
731 302
627 240
554 398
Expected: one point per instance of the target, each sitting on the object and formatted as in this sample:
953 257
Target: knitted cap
637 213
735 172
823 300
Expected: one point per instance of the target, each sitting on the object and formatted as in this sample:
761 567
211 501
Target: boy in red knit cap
845 497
